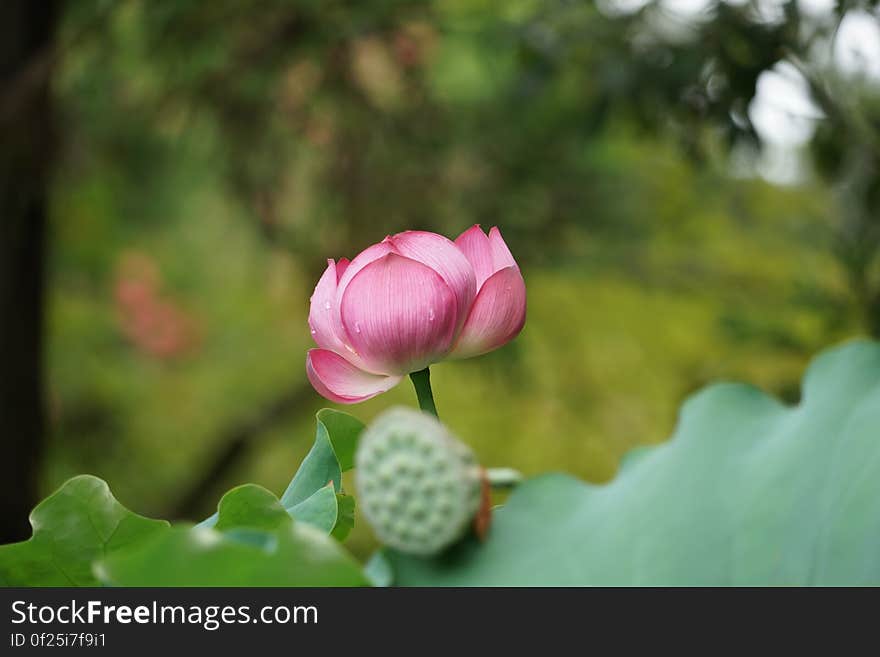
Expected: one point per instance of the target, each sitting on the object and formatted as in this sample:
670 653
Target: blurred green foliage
215 154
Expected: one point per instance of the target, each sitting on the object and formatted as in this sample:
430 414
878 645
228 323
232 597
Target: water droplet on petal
430 314
357 327
326 305
314 332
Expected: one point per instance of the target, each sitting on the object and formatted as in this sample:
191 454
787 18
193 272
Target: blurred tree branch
235 443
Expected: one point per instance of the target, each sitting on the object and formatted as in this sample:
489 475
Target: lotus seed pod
419 486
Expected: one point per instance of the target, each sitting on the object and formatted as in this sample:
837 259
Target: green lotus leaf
77 524
747 492
294 554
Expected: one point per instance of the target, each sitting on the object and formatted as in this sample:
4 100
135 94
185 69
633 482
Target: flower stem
422 383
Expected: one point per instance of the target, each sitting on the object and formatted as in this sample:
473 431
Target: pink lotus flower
411 300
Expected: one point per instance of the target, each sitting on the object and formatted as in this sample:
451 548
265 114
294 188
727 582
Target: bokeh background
691 188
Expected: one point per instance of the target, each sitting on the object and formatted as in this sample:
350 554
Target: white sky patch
857 45
770 11
816 7
782 111
782 165
785 117
688 8
621 7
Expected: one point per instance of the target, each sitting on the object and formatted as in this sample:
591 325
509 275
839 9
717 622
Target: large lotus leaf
77 524
294 554
747 492
254 542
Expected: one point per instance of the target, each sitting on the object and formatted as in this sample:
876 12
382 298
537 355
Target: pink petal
341 266
323 304
497 316
501 255
340 381
365 257
399 315
443 256
474 243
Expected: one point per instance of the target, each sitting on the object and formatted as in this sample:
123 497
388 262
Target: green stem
422 383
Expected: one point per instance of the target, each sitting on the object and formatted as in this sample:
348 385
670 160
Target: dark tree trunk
26 32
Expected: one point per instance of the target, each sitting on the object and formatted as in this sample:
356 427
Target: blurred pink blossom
156 325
